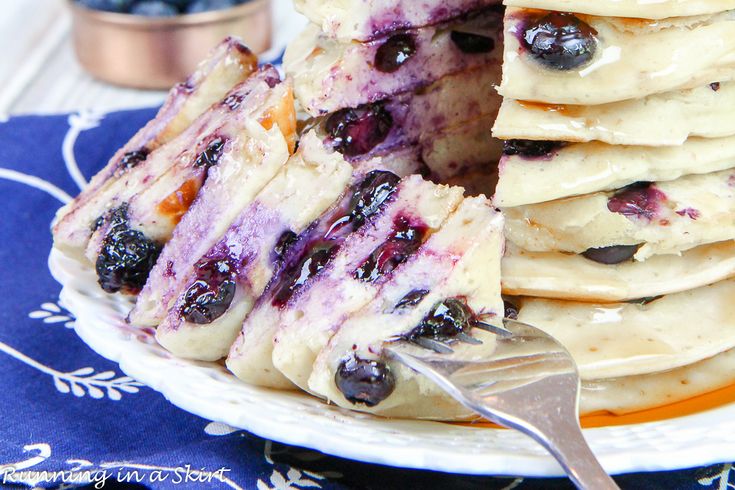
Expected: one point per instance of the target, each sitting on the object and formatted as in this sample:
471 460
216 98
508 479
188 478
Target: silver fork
529 383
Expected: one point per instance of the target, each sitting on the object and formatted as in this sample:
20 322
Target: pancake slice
576 169
379 226
232 144
330 75
574 277
228 64
659 9
665 119
633 393
368 259
660 218
364 20
626 339
453 280
609 59
214 290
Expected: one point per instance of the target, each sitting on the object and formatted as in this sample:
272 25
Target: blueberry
374 190
284 243
616 254
211 294
211 155
412 299
472 43
363 381
446 320
400 245
293 279
127 256
715 86
154 8
197 6
639 200
530 148
560 41
357 131
131 159
394 52
511 310
120 6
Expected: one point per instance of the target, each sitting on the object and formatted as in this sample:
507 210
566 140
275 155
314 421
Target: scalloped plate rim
405 443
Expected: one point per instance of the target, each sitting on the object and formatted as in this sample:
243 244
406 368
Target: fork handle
567 444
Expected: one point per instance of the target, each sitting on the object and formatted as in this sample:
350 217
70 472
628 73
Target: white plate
208 390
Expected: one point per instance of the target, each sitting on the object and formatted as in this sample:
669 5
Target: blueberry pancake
450 283
656 218
651 335
233 147
563 58
538 171
215 289
659 9
229 64
370 258
365 20
318 283
665 119
330 75
407 119
611 274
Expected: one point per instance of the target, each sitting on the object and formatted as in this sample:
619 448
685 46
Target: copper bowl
156 53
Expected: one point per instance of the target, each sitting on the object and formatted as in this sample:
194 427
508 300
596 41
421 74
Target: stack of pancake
415 79
618 187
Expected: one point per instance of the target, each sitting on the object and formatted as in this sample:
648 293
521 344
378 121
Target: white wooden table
39 73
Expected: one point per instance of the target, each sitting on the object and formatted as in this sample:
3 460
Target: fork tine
468 339
491 328
431 344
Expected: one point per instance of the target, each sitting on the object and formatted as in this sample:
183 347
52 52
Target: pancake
245 256
664 218
246 145
573 277
227 65
584 168
369 259
413 118
330 75
633 393
625 339
666 119
626 59
458 263
659 9
364 20
322 259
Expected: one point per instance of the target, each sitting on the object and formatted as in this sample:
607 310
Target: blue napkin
68 412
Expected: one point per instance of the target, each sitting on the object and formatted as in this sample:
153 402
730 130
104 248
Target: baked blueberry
394 52
295 277
126 257
530 148
403 242
363 381
616 254
374 190
639 200
445 321
357 131
211 294
412 299
133 158
560 41
211 154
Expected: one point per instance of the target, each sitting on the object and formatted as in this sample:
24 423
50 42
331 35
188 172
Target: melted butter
690 406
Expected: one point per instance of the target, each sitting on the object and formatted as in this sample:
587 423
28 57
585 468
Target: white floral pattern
52 313
720 479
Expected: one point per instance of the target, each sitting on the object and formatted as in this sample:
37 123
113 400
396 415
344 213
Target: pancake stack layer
379 77
618 186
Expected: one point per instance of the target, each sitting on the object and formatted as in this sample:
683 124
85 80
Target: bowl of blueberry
154 44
